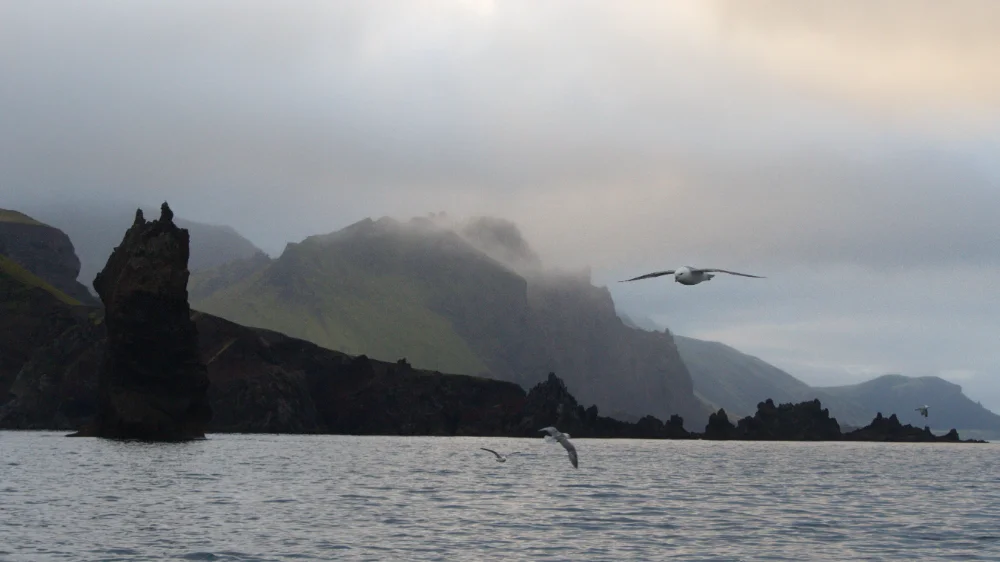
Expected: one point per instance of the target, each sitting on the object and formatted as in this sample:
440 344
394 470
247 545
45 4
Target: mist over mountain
465 296
96 229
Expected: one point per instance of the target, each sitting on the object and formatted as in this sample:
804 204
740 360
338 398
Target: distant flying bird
687 275
562 439
500 458
922 410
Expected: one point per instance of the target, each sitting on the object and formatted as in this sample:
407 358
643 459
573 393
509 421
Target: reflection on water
276 497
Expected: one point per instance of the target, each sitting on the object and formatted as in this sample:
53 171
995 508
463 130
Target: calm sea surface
275 497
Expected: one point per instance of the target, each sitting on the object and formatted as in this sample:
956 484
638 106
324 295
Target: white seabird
564 440
500 458
687 275
922 410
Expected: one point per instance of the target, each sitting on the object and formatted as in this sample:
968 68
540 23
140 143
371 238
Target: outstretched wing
570 449
550 430
649 275
492 451
713 270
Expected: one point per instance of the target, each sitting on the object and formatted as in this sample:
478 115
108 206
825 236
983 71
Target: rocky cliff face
32 314
608 363
263 381
152 382
43 250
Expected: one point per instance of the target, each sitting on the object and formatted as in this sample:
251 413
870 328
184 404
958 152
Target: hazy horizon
846 151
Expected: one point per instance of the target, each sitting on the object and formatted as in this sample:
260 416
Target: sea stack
152 383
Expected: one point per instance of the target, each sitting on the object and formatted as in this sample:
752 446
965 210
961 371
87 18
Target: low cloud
790 138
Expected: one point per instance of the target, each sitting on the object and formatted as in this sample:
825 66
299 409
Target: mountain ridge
456 307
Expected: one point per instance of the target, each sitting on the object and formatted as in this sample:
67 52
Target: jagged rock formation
96 228
44 251
805 421
809 421
152 383
890 429
719 427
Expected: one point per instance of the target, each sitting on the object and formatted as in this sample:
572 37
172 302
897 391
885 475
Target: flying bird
563 439
922 410
687 275
500 458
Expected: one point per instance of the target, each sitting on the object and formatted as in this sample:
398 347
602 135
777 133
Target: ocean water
282 497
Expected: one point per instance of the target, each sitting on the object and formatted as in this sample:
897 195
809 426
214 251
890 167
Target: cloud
790 137
893 56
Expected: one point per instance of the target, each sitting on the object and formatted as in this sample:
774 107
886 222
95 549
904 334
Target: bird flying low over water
922 410
562 439
687 275
500 458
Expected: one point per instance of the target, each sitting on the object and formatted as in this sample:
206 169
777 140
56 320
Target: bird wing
714 270
648 275
570 449
550 430
492 451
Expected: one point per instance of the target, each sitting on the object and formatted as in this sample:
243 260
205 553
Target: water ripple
270 497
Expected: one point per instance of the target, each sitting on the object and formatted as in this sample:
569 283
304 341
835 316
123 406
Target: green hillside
320 293
7 215
25 280
444 299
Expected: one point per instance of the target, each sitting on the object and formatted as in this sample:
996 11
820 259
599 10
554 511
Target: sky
847 150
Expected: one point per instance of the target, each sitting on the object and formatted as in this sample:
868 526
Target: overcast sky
847 150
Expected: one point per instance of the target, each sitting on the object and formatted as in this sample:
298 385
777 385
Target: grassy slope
13 270
343 307
7 215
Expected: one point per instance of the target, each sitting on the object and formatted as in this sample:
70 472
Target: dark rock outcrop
809 421
263 381
890 429
44 251
57 387
719 427
805 421
152 382
30 318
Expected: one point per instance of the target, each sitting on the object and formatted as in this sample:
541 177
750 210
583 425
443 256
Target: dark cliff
32 313
44 251
263 381
151 383
618 367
